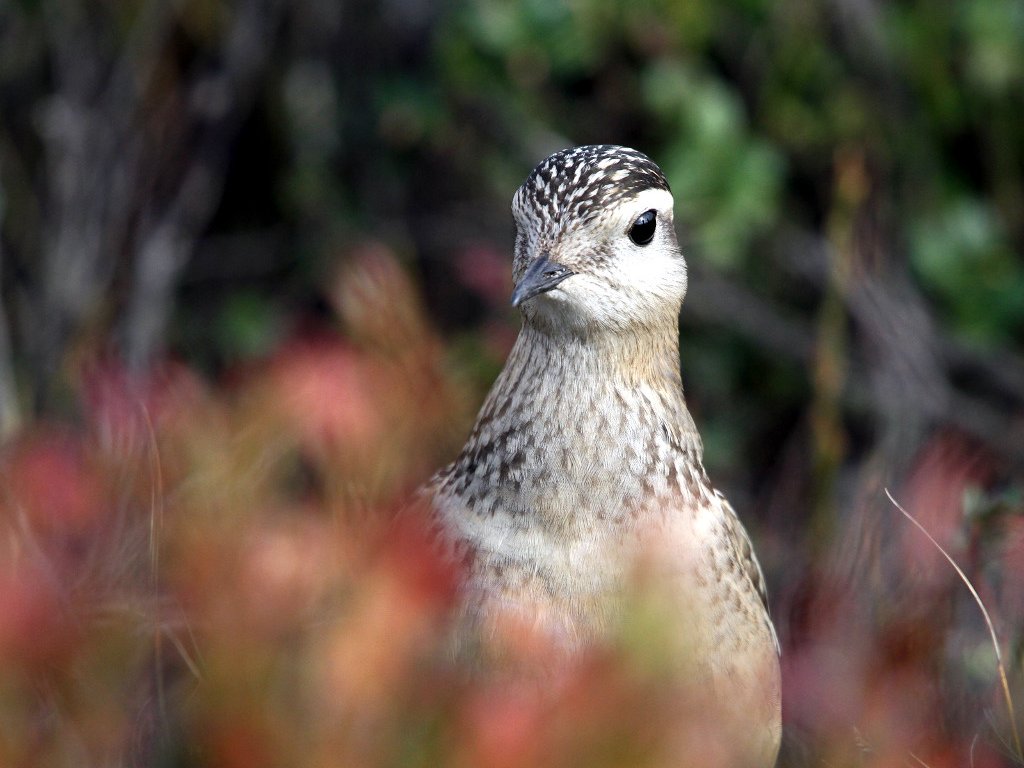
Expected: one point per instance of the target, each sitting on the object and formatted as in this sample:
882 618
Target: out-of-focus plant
963 253
204 571
237 576
234 576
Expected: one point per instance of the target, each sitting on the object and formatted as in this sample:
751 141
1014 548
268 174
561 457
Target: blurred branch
218 102
805 255
1003 371
135 163
830 370
9 411
912 371
722 301
92 148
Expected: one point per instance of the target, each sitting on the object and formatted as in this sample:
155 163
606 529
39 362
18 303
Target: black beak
541 277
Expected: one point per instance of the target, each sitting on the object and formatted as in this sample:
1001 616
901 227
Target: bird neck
639 355
578 386
576 418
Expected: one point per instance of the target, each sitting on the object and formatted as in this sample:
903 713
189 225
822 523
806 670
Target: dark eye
642 231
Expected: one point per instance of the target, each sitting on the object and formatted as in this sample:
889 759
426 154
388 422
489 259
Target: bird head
595 244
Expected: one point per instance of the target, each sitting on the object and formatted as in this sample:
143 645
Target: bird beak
543 275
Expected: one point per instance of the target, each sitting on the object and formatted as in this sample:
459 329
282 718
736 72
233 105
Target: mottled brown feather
584 461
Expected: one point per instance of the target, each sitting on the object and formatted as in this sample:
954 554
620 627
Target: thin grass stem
988 622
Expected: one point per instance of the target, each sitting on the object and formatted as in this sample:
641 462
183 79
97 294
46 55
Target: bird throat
575 429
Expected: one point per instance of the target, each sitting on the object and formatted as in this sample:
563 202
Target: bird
584 459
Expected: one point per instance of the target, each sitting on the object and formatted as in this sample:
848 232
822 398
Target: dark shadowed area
254 283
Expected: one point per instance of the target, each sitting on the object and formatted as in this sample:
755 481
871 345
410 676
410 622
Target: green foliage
249 325
733 98
995 58
963 254
727 183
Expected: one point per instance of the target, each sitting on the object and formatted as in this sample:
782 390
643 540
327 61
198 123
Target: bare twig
9 412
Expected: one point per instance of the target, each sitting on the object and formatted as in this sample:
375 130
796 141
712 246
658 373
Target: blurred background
254 280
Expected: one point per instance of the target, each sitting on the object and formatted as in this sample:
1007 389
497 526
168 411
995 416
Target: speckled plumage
584 458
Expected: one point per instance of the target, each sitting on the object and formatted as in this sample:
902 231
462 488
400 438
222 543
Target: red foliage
52 484
253 549
325 392
36 630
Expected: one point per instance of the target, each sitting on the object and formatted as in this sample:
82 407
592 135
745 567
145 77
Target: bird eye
642 231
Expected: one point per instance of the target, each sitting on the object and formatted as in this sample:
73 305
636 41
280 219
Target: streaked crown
576 184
